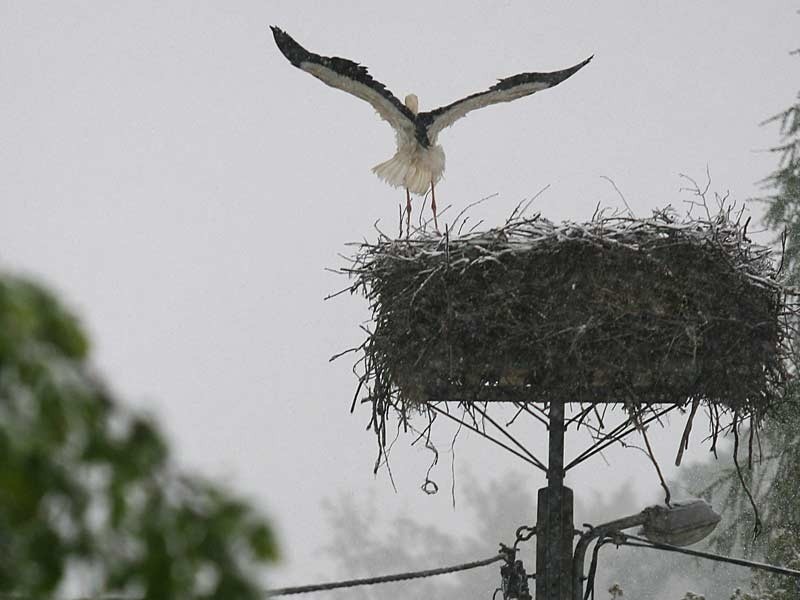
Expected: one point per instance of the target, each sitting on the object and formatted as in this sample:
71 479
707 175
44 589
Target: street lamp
680 524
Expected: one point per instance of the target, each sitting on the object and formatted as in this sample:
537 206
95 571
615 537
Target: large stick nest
619 309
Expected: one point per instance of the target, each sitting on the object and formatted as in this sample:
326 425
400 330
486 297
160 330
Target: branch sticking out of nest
633 311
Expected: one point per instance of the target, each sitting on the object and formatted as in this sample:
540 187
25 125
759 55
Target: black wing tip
293 51
551 79
279 34
557 77
577 67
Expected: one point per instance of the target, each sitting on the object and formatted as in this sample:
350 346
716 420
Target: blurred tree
783 204
774 478
89 500
364 543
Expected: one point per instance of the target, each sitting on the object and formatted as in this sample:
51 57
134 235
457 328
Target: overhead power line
320 587
632 540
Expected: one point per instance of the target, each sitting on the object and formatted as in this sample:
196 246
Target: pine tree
778 499
783 211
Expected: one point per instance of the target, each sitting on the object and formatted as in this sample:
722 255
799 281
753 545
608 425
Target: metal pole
554 527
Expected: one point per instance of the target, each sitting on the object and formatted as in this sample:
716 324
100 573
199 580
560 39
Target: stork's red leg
408 213
433 207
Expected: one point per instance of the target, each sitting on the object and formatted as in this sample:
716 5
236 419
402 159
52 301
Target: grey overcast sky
184 188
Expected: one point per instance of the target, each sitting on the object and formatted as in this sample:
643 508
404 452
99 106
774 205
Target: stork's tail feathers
413 170
398 172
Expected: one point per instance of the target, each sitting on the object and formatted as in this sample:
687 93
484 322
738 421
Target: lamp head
681 524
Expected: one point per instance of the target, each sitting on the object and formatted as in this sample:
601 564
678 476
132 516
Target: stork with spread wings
419 161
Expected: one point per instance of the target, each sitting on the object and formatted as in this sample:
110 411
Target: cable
593 567
305 589
645 543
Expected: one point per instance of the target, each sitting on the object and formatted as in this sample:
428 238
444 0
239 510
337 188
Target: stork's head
412 103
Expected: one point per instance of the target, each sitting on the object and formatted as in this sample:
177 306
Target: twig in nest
619 193
430 487
713 415
471 205
385 461
757 524
521 208
686 431
643 430
453 463
698 192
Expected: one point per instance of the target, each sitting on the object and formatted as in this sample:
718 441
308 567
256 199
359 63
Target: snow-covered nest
619 309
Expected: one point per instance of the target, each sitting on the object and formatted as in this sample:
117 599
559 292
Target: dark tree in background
773 480
783 203
776 477
89 500
365 543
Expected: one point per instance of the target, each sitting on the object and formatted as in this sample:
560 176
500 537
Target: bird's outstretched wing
505 90
350 77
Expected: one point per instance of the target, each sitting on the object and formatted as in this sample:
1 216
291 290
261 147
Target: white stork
419 161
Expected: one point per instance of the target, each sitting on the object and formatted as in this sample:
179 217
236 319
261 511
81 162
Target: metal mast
554 526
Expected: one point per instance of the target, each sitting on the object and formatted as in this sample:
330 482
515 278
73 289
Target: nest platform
661 310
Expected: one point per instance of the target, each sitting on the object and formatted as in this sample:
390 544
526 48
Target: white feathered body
413 166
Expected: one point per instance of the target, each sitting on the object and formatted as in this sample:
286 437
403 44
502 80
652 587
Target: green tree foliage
775 474
781 499
772 477
783 203
88 497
